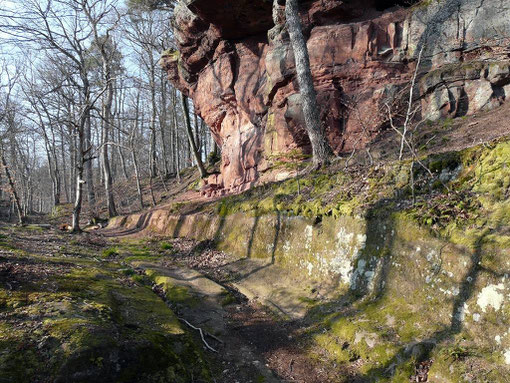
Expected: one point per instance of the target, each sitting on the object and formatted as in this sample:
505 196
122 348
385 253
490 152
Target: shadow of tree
422 350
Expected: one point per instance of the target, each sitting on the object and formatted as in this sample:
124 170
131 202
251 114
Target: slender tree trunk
107 120
152 83
58 185
163 123
12 186
151 189
320 146
119 113
176 146
198 143
137 178
75 226
74 160
122 159
189 131
133 152
64 167
88 165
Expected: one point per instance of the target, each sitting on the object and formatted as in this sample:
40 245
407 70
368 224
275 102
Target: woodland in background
84 106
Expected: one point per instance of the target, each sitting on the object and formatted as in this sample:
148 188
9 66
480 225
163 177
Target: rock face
239 70
422 283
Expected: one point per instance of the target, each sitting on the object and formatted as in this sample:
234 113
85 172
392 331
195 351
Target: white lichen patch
369 338
343 267
362 241
460 315
507 356
286 247
491 296
308 237
348 249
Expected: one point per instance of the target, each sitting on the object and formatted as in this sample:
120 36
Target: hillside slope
385 285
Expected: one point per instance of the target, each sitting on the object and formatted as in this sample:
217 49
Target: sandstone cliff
240 73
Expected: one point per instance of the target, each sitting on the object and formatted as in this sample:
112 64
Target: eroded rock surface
239 71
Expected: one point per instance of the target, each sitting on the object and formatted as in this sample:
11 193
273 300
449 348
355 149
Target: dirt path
203 303
256 344
259 343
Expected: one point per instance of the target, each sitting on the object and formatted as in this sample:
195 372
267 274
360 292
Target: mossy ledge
390 261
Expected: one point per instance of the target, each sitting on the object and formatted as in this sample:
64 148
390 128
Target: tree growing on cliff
320 147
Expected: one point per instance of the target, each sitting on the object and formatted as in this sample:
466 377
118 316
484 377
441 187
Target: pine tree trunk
320 146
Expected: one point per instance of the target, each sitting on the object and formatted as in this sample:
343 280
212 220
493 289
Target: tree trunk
122 158
64 168
137 177
133 152
74 160
107 120
177 152
80 163
163 123
58 185
189 131
320 147
152 83
88 165
14 194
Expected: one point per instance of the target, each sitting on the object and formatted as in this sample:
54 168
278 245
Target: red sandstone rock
245 89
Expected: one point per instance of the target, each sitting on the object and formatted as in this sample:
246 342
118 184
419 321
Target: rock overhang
362 52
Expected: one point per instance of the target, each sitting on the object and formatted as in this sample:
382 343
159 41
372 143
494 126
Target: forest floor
256 344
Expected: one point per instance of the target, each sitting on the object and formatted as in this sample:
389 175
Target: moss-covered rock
414 281
88 322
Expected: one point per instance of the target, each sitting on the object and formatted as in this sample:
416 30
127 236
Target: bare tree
189 131
7 117
320 147
63 29
95 14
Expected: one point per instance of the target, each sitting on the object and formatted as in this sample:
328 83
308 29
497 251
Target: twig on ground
202 335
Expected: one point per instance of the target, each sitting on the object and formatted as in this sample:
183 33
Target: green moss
91 328
166 246
227 298
34 228
172 54
175 293
110 252
448 161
